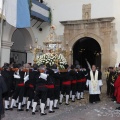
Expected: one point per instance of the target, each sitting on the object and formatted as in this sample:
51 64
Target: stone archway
101 29
7 43
88 49
21 39
90 35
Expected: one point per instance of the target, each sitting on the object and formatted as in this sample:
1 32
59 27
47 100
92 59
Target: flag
17 13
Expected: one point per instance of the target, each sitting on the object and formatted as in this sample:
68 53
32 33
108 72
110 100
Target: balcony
40 11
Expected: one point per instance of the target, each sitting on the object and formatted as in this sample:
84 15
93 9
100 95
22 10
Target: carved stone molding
7 44
86 11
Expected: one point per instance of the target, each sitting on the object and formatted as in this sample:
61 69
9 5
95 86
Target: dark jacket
33 75
3 89
7 78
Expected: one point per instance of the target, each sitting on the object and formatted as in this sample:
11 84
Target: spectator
3 89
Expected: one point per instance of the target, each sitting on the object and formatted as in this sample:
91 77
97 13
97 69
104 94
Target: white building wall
117 27
5 53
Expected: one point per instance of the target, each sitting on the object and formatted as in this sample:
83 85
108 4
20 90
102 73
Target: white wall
5 53
117 27
30 58
63 10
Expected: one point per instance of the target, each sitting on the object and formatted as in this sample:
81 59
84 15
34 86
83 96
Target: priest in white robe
94 83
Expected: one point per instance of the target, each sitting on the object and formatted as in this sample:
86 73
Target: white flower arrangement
52 59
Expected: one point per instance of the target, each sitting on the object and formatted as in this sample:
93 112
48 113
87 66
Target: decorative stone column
5 52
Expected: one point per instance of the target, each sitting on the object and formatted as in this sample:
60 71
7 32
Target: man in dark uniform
109 82
40 91
33 73
80 83
19 90
73 78
107 73
57 85
8 80
66 85
113 76
84 79
51 87
3 89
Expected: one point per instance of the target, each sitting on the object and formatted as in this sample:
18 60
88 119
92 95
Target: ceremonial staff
88 64
1 28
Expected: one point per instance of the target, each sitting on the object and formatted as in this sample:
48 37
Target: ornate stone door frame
100 29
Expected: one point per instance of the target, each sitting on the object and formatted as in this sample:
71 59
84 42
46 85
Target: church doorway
87 48
21 39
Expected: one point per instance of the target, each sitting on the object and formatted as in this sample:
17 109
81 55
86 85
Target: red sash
74 81
81 80
21 84
31 86
67 83
50 86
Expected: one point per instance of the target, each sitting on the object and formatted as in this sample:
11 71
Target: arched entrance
22 40
87 48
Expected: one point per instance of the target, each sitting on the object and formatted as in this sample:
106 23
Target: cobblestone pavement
80 110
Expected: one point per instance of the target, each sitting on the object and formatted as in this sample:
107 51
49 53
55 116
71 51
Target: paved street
80 110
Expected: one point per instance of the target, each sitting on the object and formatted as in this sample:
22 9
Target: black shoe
66 104
33 113
60 103
27 110
7 108
78 99
36 110
118 108
43 113
55 107
73 100
23 105
20 110
15 106
51 111
82 98
112 99
11 109
47 107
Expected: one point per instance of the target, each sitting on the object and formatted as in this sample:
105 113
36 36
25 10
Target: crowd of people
113 84
46 86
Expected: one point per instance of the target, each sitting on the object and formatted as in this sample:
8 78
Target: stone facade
86 11
101 29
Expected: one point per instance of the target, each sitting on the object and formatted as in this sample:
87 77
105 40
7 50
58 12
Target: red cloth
21 84
117 89
31 86
82 80
50 86
66 83
74 82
